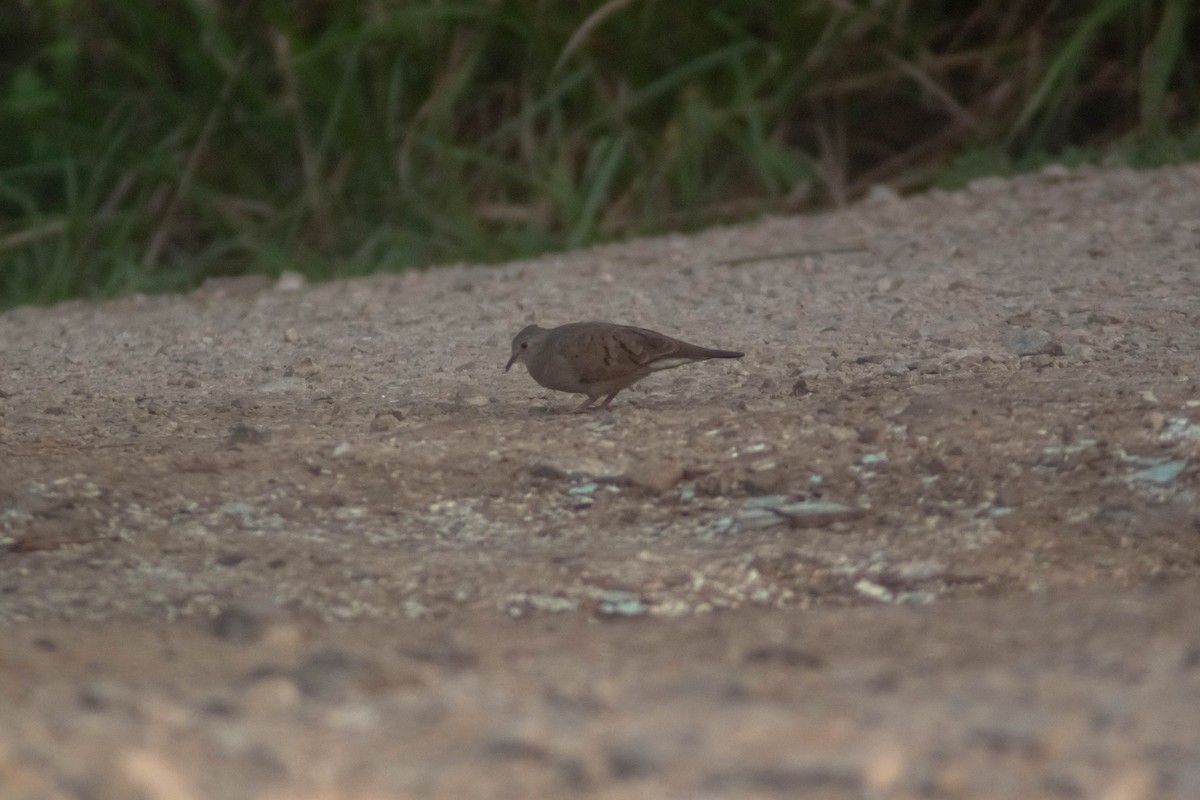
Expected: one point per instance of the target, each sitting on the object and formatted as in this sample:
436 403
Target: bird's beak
511 361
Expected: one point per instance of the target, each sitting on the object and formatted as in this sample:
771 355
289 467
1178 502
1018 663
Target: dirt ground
936 535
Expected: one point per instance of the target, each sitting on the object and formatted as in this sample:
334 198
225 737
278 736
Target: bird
599 359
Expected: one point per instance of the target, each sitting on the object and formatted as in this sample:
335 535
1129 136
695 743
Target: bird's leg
608 399
579 409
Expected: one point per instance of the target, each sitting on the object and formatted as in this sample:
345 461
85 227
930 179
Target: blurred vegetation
147 144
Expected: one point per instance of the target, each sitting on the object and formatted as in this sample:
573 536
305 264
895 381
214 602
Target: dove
599 359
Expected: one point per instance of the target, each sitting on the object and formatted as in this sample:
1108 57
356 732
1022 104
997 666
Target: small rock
223 285
100 694
291 335
289 282
550 604
927 366
1160 474
655 475
584 468
881 194
988 185
870 434
1136 782
780 509
765 482
616 603
386 421
1040 361
271 694
142 774
1104 318
246 434
873 590
1079 352
239 624
910 572
415 609
1155 421
324 674
800 388
467 395
1180 429
1054 173
785 654
548 472
305 368
1031 342
631 760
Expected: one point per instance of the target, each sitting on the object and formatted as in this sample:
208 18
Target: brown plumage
599 359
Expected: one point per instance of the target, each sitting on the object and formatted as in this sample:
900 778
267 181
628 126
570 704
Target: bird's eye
524 345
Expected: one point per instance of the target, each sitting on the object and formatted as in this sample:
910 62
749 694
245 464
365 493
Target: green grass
148 144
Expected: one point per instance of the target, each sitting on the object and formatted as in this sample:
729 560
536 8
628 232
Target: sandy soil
937 535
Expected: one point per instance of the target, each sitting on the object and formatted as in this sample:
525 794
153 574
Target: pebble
616 603
223 285
874 591
239 624
324 674
548 472
550 603
305 368
385 421
1052 173
1031 342
148 776
765 482
777 509
1079 352
1160 474
290 282
467 395
100 694
988 185
247 434
881 194
655 474
909 572
271 694
1135 782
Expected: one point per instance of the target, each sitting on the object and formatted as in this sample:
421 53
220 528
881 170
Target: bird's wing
616 352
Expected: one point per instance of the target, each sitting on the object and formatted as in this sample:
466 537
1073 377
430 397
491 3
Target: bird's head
530 337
